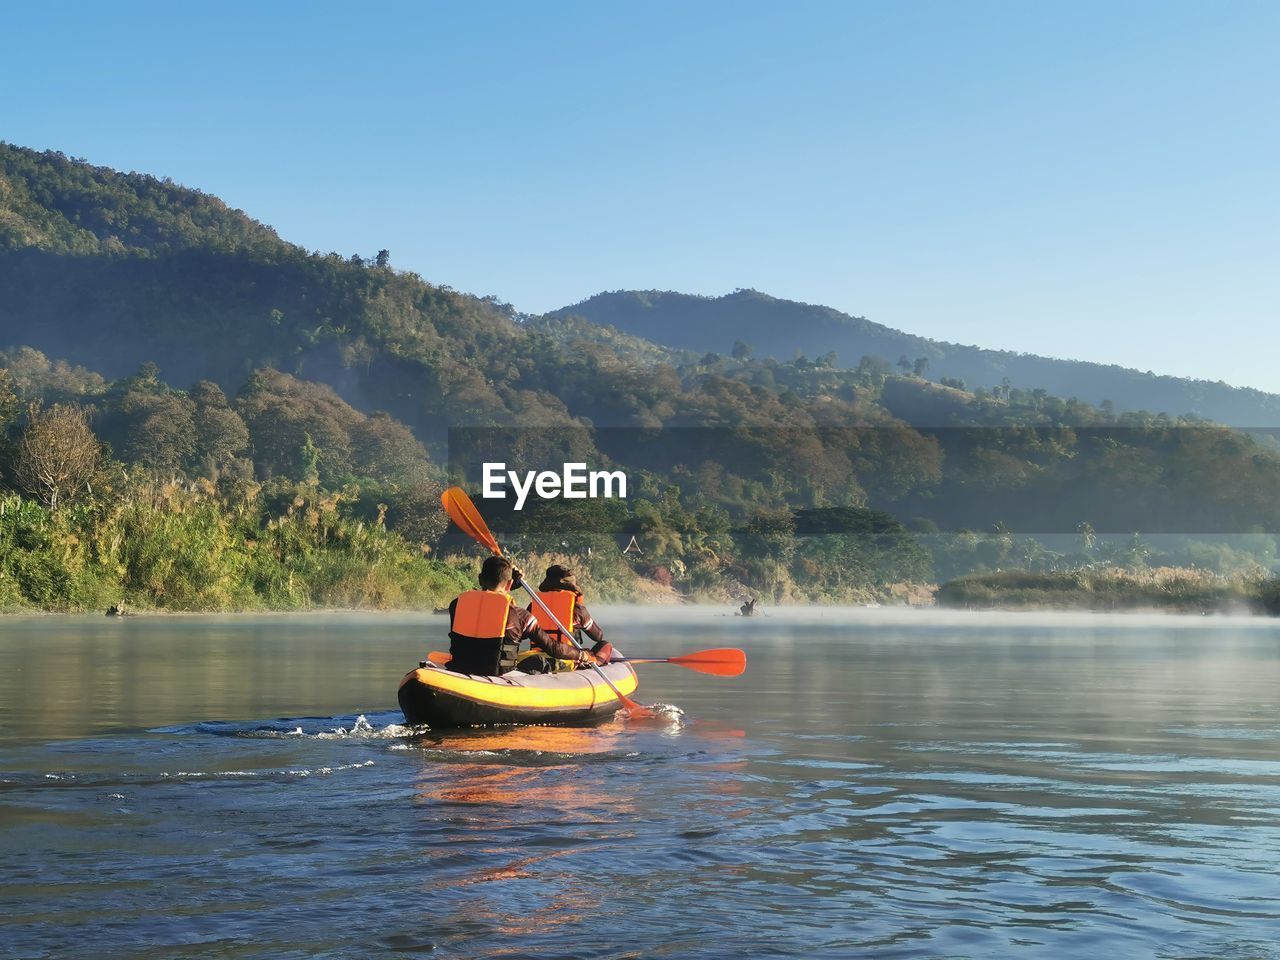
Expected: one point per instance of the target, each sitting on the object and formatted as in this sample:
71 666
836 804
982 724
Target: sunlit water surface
878 784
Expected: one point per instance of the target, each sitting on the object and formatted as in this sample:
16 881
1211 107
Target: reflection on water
879 783
559 742
545 787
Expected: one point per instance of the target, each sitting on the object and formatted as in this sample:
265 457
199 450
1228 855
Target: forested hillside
770 327
234 393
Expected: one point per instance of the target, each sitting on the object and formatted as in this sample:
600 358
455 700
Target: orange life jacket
481 614
478 634
562 604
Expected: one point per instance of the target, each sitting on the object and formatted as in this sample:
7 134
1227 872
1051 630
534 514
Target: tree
1088 538
58 454
8 414
1136 553
151 425
920 366
387 449
148 374
768 545
8 401
309 456
297 427
147 423
383 259
32 375
415 513
741 351
221 436
905 363
872 371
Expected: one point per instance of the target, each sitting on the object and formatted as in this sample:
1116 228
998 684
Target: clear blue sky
1084 179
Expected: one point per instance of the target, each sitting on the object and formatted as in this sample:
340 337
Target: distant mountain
576 333
782 328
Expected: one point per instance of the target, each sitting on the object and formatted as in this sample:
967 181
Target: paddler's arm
587 623
602 651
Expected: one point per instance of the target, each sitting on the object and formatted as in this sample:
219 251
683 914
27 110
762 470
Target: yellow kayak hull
439 698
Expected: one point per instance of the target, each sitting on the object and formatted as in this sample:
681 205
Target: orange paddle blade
636 711
463 512
726 662
439 658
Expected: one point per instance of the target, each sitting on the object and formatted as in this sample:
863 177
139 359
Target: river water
880 783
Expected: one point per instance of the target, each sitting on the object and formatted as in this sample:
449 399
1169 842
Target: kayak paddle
726 662
720 663
463 512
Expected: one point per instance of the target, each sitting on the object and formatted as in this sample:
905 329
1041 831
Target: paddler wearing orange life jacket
559 591
486 627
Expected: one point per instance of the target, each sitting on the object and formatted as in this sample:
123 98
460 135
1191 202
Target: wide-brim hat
558 574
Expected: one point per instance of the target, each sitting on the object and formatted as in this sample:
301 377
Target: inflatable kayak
439 697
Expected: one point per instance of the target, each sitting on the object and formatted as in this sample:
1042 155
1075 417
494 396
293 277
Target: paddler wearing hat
559 591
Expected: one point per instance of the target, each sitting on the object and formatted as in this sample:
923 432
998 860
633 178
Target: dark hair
495 570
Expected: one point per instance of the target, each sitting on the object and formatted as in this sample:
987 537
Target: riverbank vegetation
175 547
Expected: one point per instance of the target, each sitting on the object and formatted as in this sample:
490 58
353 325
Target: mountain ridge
110 270
99 210
779 328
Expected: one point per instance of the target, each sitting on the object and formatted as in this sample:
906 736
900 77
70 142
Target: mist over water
880 783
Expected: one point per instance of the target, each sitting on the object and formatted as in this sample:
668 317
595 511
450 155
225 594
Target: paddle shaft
568 635
722 664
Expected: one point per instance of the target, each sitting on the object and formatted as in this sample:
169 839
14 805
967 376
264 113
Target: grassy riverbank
184 548
191 546
1164 588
